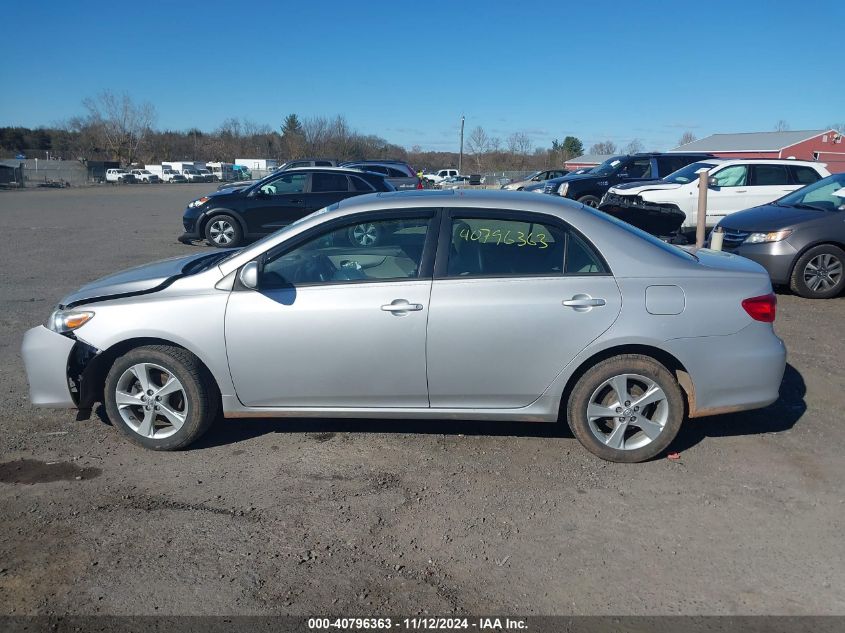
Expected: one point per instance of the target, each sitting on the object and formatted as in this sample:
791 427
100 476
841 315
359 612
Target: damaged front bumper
662 220
46 356
59 369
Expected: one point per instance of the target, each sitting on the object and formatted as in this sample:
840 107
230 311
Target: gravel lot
397 517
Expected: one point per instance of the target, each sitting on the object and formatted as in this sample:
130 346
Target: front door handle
583 303
295 201
401 305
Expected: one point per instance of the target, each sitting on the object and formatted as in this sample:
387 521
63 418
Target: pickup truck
441 175
145 175
166 174
120 176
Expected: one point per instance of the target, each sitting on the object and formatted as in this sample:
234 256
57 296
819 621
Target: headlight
64 321
762 238
198 202
563 189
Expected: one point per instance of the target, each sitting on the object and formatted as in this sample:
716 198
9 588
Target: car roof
311 168
773 161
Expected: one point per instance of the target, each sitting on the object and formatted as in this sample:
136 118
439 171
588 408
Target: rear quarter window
802 175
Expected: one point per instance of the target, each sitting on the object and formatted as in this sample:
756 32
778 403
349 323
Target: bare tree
634 146
605 147
520 145
122 123
478 144
839 127
686 137
781 126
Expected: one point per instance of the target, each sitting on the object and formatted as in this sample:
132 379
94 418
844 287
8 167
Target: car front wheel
161 397
627 408
819 273
223 231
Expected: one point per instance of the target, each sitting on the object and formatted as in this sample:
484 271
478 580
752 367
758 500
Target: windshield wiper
802 205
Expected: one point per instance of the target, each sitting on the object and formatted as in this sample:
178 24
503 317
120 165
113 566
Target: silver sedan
482 305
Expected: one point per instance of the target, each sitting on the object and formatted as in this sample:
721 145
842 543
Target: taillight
761 308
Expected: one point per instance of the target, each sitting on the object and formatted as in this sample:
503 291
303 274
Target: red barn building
824 146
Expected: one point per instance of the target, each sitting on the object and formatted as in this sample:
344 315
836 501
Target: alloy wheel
151 400
823 272
221 232
365 234
627 412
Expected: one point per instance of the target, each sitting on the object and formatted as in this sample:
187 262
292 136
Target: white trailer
258 164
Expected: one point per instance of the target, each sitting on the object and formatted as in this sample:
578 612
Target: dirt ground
398 517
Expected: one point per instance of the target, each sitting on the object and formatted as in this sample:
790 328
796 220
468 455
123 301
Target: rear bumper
732 373
46 356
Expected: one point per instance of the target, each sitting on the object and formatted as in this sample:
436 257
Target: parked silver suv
483 305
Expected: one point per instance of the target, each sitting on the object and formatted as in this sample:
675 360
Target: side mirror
712 182
249 275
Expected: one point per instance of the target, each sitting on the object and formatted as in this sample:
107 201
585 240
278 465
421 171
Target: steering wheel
316 268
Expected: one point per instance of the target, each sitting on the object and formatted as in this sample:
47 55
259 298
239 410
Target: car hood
771 217
630 188
138 280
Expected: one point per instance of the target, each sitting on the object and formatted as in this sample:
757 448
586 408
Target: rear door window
769 175
324 183
395 173
802 175
503 247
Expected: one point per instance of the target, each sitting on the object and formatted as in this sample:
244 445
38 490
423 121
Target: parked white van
734 185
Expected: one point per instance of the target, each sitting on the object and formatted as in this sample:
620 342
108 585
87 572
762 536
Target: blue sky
408 70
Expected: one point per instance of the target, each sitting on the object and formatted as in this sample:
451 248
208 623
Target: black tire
823 265
590 201
200 395
670 409
223 231
365 235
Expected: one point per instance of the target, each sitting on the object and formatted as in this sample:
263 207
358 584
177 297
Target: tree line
114 127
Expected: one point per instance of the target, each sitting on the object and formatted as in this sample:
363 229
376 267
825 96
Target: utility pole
461 155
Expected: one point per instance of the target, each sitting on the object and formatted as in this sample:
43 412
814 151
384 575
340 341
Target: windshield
688 173
819 195
607 167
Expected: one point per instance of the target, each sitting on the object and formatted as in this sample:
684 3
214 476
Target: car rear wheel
590 201
223 231
627 408
161 397
819 273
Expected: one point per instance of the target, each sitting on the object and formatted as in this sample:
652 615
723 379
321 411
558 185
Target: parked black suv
590 187
229 217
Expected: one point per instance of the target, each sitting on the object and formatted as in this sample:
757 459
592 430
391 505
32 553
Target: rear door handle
295 201
401 305
582 303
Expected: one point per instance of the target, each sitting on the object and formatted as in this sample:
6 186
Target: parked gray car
799 238
483 305
536 178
